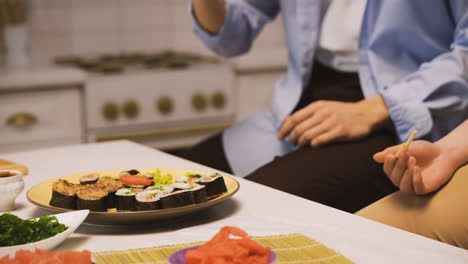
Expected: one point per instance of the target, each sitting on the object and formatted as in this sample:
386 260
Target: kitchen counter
37 78
263 61
257 209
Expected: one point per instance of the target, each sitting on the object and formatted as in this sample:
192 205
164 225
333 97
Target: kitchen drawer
35 116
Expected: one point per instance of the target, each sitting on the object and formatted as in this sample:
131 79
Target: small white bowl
71 219
10 187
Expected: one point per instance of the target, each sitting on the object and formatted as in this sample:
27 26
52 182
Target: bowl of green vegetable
45 232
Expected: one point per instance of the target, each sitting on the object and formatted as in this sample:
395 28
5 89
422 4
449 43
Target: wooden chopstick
405 145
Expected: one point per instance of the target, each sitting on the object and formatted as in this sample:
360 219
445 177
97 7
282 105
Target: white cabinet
33 119
41 113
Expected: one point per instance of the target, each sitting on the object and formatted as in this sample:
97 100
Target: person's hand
422 169
324 122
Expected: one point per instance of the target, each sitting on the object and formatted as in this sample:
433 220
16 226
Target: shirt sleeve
434 99
244 20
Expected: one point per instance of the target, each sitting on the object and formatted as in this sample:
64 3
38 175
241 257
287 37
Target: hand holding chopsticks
405 145
421 169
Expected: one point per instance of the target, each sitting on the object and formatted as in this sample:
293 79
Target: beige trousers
442 215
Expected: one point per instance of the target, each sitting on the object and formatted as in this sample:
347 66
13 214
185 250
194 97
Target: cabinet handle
22 120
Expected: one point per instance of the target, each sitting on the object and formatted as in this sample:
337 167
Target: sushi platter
129 196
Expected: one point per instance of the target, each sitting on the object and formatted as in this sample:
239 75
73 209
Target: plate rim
159 211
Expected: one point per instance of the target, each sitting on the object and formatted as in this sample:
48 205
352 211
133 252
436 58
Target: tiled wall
81 27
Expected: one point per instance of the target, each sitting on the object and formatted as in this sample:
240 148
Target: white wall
63 27
93 27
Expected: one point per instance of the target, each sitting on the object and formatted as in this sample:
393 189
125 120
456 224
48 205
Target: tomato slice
128 179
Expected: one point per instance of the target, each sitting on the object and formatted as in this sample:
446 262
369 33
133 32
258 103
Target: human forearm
455 145
211 14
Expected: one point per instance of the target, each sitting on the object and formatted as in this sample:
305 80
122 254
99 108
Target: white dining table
258 209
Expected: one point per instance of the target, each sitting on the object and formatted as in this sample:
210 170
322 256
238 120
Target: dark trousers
341 175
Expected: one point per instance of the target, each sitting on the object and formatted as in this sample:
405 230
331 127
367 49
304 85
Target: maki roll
193 178
125 199
182 185
133 172
94 199
110 185
199 194
148 200
165 189
215 185
63 194
177 199
89 179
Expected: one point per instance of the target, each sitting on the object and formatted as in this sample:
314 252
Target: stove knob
131 109
218 100
165 105
110 111
199 102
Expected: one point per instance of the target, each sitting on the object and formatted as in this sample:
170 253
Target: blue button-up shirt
414 53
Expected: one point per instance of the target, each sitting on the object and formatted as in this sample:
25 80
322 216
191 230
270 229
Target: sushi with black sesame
110 185
94 199
63 194
215 185
148 200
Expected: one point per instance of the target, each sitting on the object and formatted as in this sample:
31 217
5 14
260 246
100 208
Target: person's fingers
291 121
406 183
389 164
309 135
380 156
286 127
296 134
418 183
330 136
399 169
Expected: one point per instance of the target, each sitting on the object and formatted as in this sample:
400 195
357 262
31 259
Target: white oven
167 107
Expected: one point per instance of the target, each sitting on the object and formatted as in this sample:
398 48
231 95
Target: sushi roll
194 178
89 179
165 189
177 199
136 181
180 184
133 172
215 185
125 199
110 185
148 200
63 194
94 199
199 193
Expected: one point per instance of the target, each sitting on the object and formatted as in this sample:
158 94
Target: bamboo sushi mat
291 248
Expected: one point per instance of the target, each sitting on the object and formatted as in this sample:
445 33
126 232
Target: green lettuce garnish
16 231
162 179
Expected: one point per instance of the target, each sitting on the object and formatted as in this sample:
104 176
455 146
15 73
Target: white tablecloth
257 209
